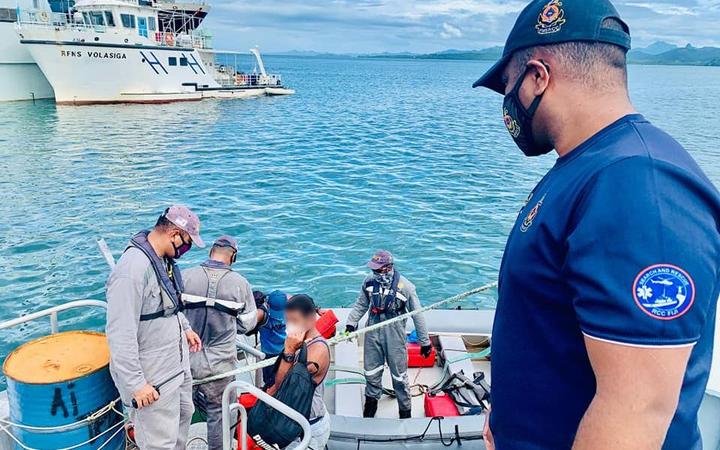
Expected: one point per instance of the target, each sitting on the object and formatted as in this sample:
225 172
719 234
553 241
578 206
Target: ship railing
174 39
38 18
228 77
52 313
230 404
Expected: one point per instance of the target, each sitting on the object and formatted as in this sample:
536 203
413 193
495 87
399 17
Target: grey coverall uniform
148 352
217 330
389 344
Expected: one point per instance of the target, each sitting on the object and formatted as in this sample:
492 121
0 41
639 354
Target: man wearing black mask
604 327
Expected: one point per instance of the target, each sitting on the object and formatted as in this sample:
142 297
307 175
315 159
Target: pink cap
186 220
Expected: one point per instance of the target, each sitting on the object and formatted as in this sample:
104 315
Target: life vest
171 287
210 300
384 300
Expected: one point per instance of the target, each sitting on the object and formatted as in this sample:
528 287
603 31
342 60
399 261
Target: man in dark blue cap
608 288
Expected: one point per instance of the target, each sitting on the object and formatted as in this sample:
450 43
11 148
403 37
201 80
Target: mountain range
658 53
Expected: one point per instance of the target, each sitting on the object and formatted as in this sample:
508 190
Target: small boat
134 51
461 339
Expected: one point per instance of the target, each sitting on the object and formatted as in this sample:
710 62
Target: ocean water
368 154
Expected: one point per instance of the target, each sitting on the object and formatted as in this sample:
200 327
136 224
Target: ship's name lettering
92 54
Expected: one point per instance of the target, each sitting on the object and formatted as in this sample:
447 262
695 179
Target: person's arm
293 342
642 264
413 304
192 338
124 298
318 353
629 412
362 304
249 317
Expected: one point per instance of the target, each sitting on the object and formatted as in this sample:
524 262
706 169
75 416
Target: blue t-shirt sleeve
642 254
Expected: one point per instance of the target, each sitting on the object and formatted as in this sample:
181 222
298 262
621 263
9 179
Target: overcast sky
358 26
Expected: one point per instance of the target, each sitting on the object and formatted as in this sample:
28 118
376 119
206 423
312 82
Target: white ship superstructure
132 51
21 78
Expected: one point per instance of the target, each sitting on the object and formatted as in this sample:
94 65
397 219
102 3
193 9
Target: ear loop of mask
532 109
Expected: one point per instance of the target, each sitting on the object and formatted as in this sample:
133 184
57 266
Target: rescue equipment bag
471 394
296 391
171 287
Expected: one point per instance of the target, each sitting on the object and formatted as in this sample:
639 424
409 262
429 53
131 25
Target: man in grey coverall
387 294
148 335
217 323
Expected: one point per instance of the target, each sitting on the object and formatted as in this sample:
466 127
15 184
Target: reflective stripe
375 371
400 378
210 302
625 344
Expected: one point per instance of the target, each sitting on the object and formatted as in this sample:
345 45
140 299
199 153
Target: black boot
405 413
370 407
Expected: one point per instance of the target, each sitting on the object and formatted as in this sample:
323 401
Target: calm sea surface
368 154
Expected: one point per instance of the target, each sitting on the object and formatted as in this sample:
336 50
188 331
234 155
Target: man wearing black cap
607 299
225 308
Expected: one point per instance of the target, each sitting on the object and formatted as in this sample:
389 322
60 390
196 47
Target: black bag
296 391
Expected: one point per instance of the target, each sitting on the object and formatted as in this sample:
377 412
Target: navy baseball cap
546 22
380 259
226 241
276 301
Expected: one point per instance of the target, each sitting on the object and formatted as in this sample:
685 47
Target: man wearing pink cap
149 337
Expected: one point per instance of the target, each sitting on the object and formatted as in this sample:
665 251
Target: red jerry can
415 359
326 323
440 405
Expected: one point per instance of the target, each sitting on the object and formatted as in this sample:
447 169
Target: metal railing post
54 322
227 408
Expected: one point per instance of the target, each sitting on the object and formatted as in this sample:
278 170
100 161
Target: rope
4 424
91 418
349 336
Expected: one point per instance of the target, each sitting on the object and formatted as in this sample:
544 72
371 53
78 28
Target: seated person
272 330
301 316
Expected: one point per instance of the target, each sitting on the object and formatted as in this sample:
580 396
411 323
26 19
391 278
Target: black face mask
518 120
182 249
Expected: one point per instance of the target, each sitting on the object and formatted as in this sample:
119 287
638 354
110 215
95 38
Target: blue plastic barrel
63 381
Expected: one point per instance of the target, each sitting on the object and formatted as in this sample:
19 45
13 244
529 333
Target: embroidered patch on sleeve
664 291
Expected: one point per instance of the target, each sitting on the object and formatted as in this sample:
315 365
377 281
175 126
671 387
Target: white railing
231 391
53 313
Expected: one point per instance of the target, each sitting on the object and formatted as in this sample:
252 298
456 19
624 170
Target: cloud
450 31
358 26
666 9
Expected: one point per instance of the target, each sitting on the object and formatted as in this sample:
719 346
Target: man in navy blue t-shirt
609 284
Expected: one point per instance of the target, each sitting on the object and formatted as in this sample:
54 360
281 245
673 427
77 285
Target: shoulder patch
664 291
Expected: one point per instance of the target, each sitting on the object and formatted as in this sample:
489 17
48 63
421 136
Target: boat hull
90 73
21 78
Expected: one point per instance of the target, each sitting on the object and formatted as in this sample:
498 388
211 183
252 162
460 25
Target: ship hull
21 78
92 73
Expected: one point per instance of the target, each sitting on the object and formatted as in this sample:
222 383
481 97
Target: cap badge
511 124
551 19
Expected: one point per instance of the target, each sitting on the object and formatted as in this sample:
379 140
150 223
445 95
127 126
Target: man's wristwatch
287 358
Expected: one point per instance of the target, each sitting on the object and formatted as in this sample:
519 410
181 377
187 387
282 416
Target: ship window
151 23
97 18
172 61
86 18
128 20
183 61
8 15
109 20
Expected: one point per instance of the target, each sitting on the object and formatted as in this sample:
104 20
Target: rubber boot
405 413
370 407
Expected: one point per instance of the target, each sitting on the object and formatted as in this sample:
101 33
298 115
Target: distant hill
658 53
488 54
656 48
689 55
